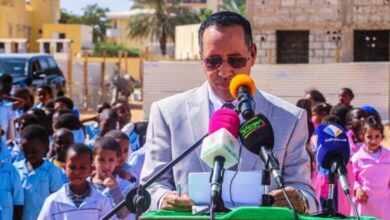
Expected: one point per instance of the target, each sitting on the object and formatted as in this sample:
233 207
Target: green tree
238 6
160 20
205 13
69 18
96 16
93 15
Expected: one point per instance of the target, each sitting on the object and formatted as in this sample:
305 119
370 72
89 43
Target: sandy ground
138 115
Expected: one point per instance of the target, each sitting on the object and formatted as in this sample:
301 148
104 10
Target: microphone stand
138 199
216 201
330 210
266 199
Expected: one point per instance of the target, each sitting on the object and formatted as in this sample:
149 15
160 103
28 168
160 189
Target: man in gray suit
176 122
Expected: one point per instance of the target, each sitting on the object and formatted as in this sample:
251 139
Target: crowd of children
55 166
369 164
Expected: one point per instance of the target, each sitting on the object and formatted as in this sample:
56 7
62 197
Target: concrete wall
327 21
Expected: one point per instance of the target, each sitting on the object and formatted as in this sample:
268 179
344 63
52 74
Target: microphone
243 88
257 136
219 149
332 146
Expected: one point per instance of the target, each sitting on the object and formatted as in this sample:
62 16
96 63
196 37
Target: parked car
33 70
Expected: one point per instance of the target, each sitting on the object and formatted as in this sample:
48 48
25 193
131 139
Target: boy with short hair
107 154
39 177
77 199
123 170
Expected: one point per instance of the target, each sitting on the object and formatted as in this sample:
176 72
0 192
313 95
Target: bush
113 50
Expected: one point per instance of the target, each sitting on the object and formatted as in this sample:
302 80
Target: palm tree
159 20
238 6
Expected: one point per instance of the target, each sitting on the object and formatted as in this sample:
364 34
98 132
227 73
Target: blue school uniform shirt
136 161
37 186
4 152
11 191
92 130
16 153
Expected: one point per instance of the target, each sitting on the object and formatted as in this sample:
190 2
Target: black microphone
242 87
257 136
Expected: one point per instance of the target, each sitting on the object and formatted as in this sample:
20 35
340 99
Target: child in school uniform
76 199
11 192
62 139
123 170
39 177
107 154
371 165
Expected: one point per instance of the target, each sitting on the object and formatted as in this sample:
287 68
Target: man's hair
66 100
117 134
6 78
36 132
107 143
226 19
81 148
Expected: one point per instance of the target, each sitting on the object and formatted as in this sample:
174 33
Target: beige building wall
326 21
14 19
19 19
122 31
42 12
187 44
81 35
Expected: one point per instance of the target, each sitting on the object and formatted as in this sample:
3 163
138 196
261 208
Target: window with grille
292 47
371 45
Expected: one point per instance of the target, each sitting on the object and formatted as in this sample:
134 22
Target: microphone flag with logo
331 143
222 139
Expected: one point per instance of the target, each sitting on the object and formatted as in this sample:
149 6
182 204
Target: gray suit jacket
177 122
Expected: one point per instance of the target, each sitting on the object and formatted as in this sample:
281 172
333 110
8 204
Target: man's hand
294 197
172 201
361 196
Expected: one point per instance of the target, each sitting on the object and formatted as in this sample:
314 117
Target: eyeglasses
236 62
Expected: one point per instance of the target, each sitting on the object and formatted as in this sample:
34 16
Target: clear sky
75 6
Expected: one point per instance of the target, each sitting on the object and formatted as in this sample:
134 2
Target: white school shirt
58 206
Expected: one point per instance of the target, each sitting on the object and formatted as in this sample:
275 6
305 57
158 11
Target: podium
241 213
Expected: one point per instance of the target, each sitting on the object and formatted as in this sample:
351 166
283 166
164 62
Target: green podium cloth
241 213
